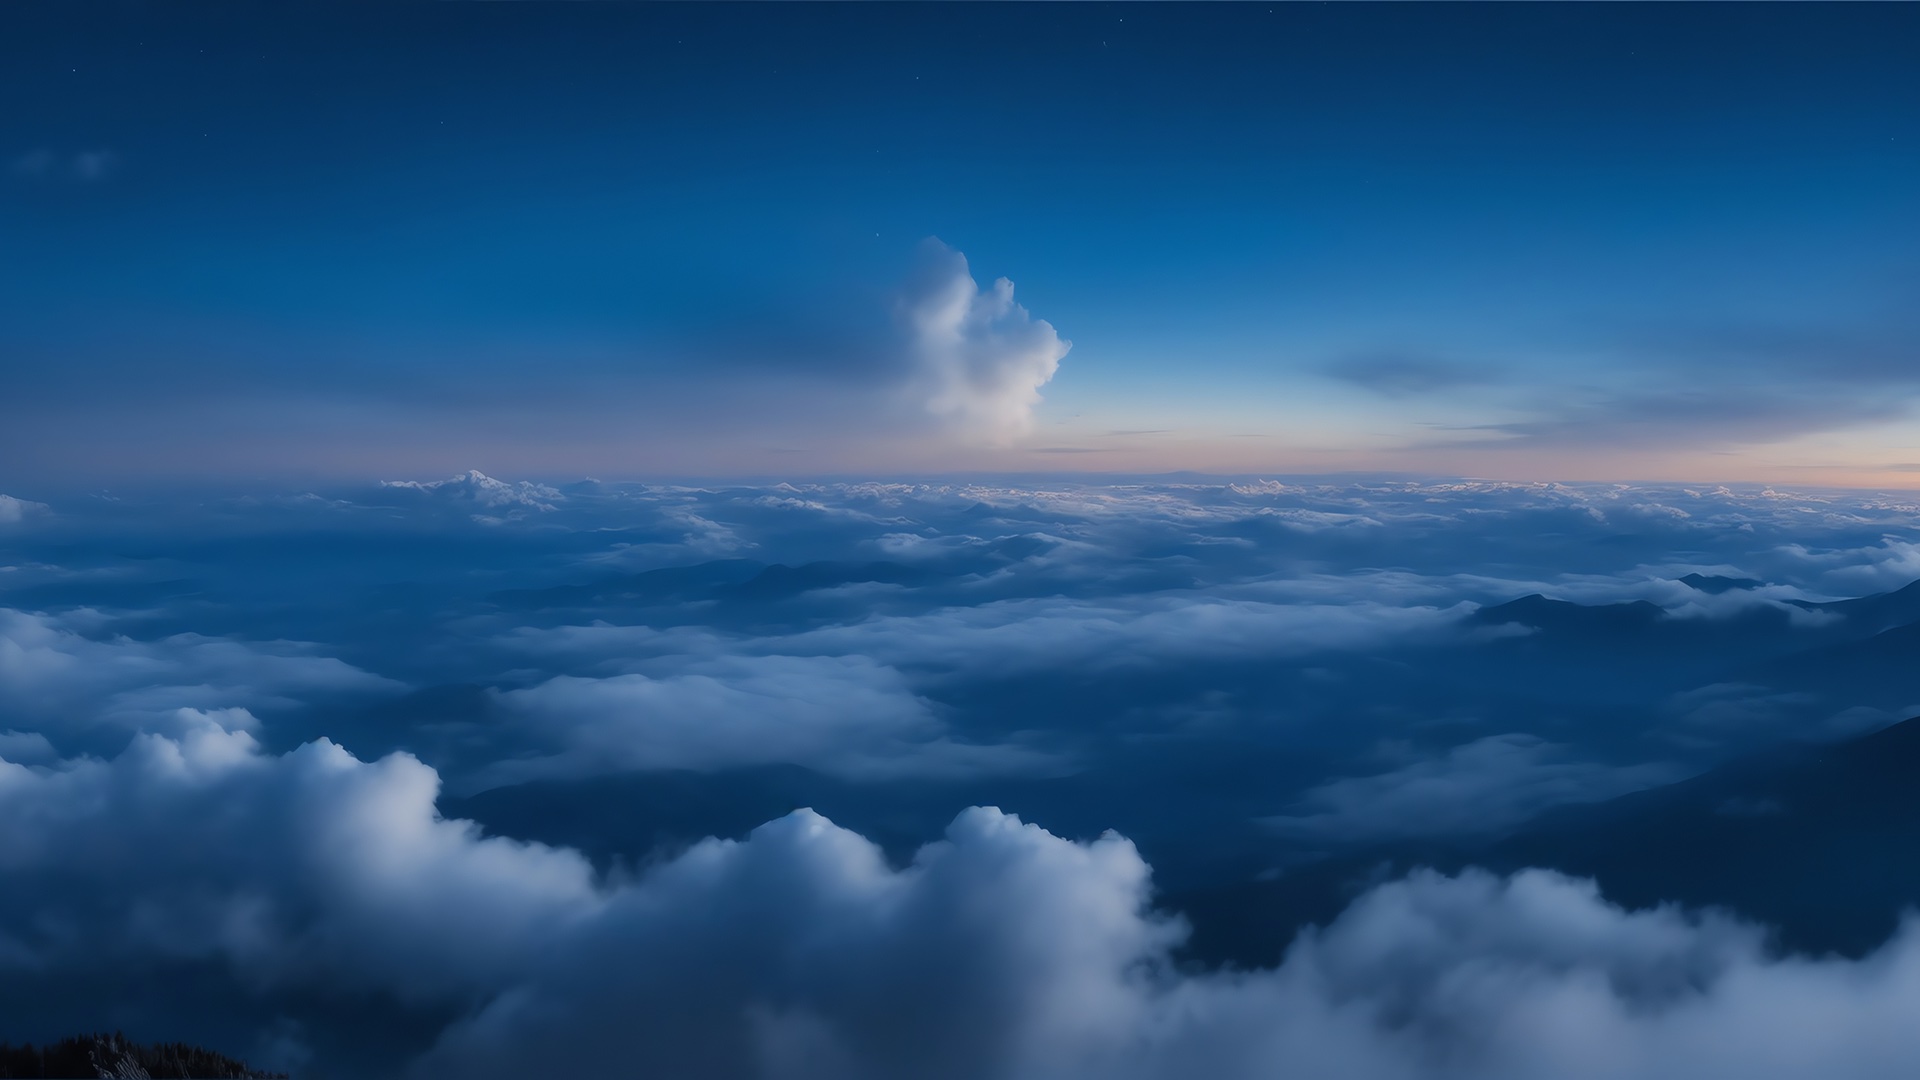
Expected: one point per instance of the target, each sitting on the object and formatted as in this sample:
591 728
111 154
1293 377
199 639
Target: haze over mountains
422 777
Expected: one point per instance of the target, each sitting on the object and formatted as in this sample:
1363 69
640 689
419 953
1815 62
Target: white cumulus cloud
1002 952
1007 953
305 868
980 357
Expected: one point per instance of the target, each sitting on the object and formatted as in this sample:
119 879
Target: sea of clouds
256 750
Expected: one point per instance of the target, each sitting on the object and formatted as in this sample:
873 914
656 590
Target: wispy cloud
1486 786
1726 414
85 166
1406 374
14 511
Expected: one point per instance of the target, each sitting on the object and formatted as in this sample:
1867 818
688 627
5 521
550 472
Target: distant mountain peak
1715 584
1545 613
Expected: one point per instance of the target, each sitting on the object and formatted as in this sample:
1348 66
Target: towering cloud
980 357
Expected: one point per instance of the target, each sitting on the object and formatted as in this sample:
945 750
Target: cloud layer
1000 951
842 715
1484 787
63 681
226 724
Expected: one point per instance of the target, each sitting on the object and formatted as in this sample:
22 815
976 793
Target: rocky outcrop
116 1057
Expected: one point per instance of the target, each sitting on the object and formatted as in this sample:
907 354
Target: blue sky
1529 242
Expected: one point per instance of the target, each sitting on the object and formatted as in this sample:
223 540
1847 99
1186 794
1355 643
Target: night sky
1553 241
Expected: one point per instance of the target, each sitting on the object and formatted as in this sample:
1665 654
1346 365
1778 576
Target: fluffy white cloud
980 357
999 953
1005 953
842 715
306 868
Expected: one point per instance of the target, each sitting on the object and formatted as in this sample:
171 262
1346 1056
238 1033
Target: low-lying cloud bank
842 715
58 679
1482 788
1000 951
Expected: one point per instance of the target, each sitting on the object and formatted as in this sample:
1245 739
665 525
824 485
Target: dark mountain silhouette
117 1057
1567 621
1881 611
1715 584
1625 653
1563 618
1816 841
1883 669
1847 652
782 582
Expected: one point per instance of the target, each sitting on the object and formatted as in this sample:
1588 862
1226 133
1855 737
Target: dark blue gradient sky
1568 241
